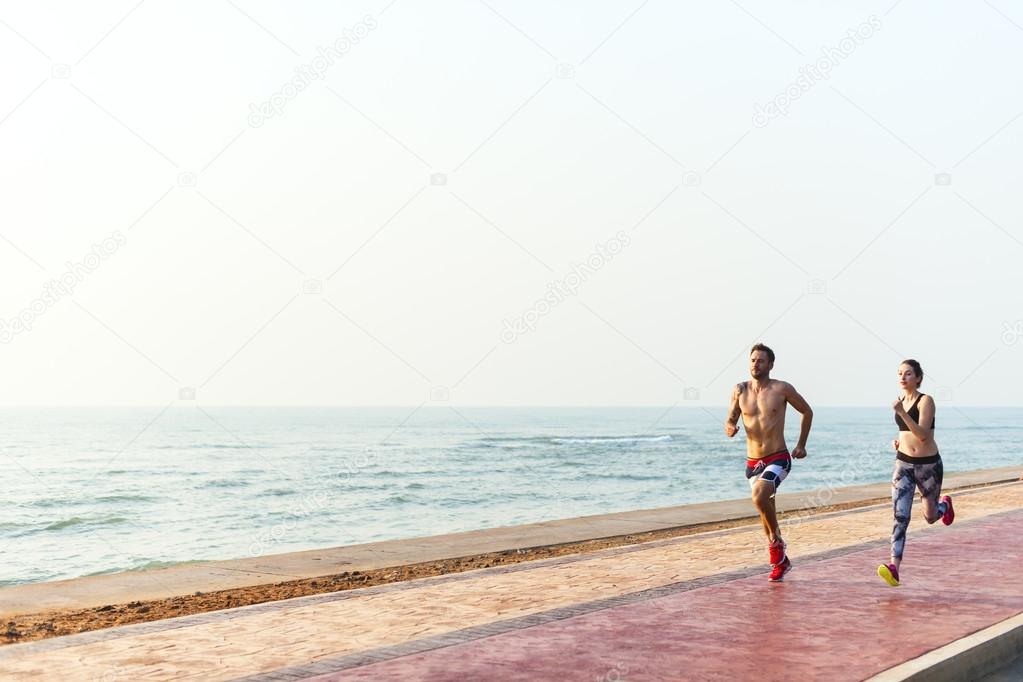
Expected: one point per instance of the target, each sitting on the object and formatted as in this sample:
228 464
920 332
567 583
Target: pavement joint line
485 630
168 624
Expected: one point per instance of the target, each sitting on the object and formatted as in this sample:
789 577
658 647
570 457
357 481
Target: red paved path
832 619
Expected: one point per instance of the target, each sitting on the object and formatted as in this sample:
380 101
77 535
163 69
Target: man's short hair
760 346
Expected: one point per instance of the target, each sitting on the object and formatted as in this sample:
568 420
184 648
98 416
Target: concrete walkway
692 607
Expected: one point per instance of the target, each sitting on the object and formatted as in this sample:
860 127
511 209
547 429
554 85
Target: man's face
759 364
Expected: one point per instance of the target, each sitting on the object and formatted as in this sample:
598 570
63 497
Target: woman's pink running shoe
889 574
950 514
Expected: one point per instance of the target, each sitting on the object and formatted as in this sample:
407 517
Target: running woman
917 465
762 403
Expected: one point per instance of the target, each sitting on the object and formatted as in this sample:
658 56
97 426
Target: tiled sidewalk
691 607
831 621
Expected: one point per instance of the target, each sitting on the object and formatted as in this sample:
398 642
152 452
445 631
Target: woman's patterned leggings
924 473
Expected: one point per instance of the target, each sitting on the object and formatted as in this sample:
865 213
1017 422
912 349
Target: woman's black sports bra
913 412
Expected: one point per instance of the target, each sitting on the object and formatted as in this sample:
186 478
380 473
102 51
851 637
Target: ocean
98 490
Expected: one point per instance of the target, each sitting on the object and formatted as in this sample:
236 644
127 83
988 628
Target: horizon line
435 404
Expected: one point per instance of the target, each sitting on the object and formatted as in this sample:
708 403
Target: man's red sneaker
776 550
779 571
950 515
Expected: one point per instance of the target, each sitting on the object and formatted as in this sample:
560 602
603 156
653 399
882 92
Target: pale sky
316 258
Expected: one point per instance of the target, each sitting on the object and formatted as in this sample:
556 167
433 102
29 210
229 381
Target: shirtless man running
762 403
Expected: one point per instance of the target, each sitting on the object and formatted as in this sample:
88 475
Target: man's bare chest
765 404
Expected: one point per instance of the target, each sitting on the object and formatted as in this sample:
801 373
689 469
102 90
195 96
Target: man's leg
763 500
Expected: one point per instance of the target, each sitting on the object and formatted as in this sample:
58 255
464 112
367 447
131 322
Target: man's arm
800 405
732 419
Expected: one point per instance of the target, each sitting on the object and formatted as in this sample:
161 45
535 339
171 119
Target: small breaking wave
278 492
161 564
513 443
80 521
606 440
125 498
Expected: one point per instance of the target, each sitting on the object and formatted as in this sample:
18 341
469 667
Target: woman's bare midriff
914 447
